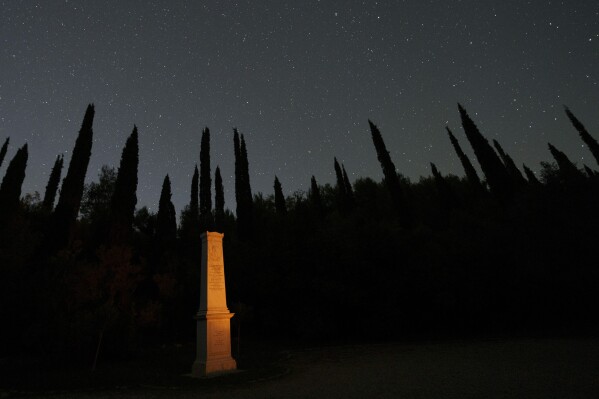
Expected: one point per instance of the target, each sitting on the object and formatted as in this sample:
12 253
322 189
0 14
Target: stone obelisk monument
213 318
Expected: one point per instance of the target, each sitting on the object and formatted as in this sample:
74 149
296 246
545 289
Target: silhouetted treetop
280 206
124 199
391 179
567 168
3 150
206 221
53 182
471 174
219 201
532 179
496 174
10 189
71 191
584 134
510 165
166 219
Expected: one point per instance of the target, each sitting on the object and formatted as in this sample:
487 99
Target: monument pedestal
213 345
213 318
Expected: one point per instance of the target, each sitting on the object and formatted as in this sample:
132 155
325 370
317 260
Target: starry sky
299 79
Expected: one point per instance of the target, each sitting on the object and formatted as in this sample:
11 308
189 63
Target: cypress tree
509 164
340 181
497 177
243 192
584 135
471 174
246 174
166 219
206 222
52 186
349 191
238 178
569 171
194 207
314 196
445 192
219 201
342 200
391 179
532 179
280 206
3 150
10 189
124 198
71 192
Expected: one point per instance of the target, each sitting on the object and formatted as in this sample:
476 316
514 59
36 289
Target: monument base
213 367
213 345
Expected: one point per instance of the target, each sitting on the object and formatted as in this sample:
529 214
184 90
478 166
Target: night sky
299 79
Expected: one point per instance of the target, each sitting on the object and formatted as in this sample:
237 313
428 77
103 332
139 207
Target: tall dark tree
10 189
238 172
194 205
532 179
314 196
509 164
219 201
342 198
243 192
349 191
584 135
166 219
71 191
391 179
446 195
53 182
3 150
568 170
340 181
471 174
206 221
246 173
124 199
497 176
280 206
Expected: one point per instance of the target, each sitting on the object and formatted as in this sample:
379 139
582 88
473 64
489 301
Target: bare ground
519 368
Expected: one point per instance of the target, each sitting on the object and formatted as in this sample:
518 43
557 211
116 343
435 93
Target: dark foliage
510 166
314 196
3 150
569 172
53 182
349 191
466 164
10 189
219 201
71 191
497 177
532 179
391 179
280 206
166 219
584 134
469 264
206 220
243 192
124 199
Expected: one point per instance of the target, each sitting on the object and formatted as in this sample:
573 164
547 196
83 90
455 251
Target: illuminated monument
213 318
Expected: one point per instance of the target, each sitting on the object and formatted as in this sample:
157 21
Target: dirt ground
524 368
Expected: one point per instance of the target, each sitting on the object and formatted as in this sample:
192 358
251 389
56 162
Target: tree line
444 255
